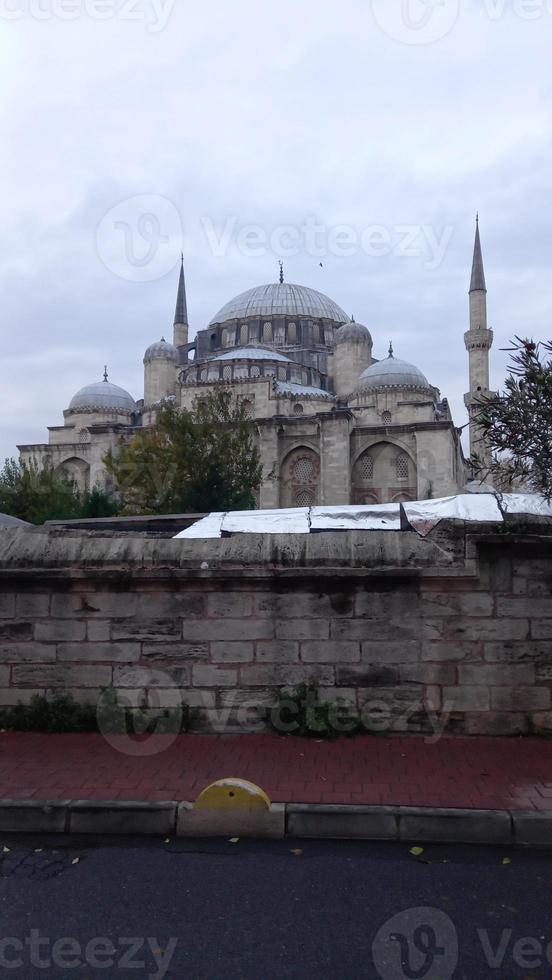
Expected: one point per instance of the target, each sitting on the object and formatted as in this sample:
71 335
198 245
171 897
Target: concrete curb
516 828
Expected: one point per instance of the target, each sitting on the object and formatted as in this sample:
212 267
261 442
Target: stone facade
334 424
452 631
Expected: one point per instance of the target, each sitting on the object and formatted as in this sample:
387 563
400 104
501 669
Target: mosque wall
448 632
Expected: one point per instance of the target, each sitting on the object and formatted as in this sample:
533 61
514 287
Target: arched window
292 333
300 478
365 468
387 418
402 466
298 409
255 371
244 333
84 436
267 333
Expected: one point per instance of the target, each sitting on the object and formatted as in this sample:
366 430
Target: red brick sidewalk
512 774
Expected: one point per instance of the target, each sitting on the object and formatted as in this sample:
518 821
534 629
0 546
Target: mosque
334 425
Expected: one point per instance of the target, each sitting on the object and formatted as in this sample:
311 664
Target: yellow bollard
232 794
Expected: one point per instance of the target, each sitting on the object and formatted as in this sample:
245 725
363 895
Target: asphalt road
251 910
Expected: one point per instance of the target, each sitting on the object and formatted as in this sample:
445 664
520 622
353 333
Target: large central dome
281 299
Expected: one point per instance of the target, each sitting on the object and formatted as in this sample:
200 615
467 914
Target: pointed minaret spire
478 341
390 348
478 272
105 372
281 272
181 312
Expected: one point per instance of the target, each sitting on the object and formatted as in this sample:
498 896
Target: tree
37 494
191 461
517 424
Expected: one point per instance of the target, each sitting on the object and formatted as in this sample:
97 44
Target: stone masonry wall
452 631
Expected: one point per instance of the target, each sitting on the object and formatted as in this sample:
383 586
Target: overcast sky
363 135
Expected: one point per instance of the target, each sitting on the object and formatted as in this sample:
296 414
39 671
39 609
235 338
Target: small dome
392 373
161 349
353 331
103 397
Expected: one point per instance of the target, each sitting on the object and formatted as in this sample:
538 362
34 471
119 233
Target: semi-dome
103 397
353 331
281 299
251 354
161 350
392 373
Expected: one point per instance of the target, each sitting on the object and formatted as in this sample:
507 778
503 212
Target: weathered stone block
462 826
231 823
466 698
520 698
459 604
496 723
347 822
477 629
383 630
390 652
185 605
60 629
174 653
121 817
532 829
11 695
440 674
98 652
7 605
170 677
304 605
18 653
31 605
330 652
277 651
243 698
444 650
61 676
15 631
303 629
4 676
514 652
495 675
387 605
233 653
367 676
67 605
136 629
282 675
204 675
98 630
541 629
518 606
228 629
235 605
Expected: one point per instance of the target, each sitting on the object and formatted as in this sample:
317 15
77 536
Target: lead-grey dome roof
352 331
161 349
103 396
251 354
392 373
282 298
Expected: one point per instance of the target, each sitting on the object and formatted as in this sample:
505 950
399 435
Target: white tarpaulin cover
423 515
207 527
372 517
525 503
293 520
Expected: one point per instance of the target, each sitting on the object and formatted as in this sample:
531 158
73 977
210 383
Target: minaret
478 340
181 312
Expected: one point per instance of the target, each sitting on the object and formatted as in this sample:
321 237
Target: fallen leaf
167 840
296 850
39 850
233 840
75 861
416 851
6 850
506 860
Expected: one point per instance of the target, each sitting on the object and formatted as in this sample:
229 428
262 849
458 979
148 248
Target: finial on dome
163 341
105 372
281 272
390 348
352 318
